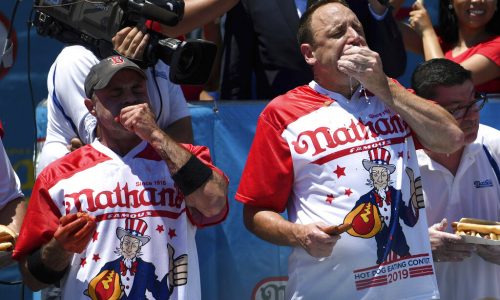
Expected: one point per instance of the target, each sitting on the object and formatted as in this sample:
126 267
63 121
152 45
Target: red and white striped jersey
131 195
316 153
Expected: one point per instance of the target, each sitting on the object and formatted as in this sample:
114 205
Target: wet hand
365 66
448 246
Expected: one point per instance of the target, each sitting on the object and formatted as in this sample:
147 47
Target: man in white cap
134 171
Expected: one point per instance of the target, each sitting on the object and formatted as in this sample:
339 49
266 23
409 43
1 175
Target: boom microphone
152 12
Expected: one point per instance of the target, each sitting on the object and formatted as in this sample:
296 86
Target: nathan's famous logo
322 138
124 197
129 276
378 212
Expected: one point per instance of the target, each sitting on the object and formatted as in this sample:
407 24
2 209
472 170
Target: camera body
93 24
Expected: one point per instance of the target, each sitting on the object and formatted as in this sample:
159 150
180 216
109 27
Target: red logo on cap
117 60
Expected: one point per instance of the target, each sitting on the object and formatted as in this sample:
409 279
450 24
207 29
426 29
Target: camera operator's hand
130 42
74 144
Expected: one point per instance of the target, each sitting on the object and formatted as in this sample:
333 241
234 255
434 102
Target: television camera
93 24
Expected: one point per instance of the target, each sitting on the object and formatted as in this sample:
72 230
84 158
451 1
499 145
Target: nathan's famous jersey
145 233
332 160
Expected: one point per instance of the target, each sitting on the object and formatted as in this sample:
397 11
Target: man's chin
470 138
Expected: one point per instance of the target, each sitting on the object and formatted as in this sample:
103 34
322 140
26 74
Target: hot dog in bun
7 238
478 227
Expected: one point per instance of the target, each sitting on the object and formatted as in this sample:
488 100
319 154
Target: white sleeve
178 105
10 186
167 99
67 116
491 138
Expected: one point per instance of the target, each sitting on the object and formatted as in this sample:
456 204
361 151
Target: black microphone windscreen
155 13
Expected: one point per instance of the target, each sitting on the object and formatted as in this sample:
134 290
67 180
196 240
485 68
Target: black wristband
192 175
40 271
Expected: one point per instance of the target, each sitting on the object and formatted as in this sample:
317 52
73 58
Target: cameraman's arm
67 116
198 13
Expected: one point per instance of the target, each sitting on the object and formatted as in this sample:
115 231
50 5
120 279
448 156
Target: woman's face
474 14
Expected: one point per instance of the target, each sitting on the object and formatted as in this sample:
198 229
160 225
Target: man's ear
90 106
308 54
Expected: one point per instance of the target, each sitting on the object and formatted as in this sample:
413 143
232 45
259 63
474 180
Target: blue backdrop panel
11 287
233 261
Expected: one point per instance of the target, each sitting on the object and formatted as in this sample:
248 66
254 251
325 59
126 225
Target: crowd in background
261 59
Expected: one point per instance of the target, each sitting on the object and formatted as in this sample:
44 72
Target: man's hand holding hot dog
75 232
314 240
483 229
448 246
71 236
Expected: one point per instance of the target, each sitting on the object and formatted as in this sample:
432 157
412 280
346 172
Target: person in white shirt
465 183
12 204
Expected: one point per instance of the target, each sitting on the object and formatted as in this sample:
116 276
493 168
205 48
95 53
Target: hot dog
7 246
7 235
477 227
337 229
82 214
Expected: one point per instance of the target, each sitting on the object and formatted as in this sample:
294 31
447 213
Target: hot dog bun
477 227
7 246
7 235
486 229
82 214
85 215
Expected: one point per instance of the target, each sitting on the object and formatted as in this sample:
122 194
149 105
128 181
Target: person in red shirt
469 34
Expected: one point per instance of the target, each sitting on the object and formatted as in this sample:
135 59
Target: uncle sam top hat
134 228
379 157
